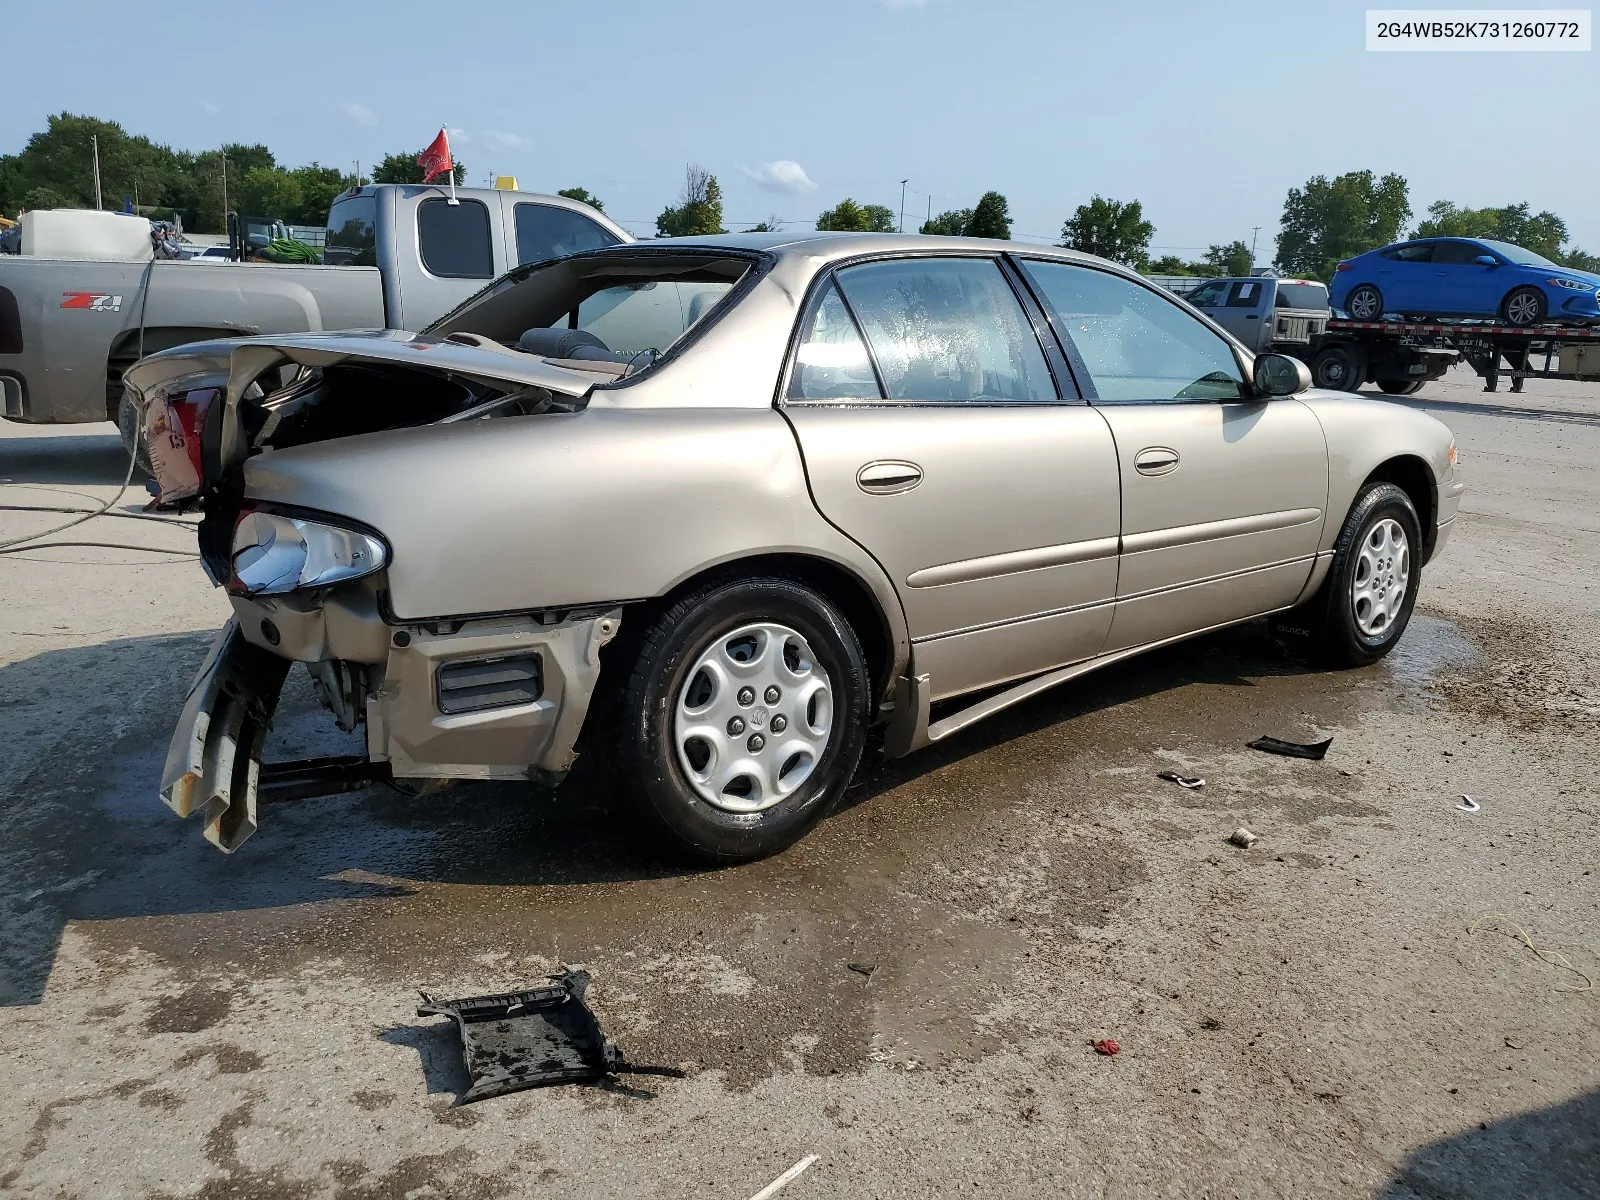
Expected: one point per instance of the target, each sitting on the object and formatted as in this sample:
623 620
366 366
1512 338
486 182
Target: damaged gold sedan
722 506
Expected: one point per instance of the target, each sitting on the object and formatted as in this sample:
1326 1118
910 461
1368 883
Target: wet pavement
1316 1015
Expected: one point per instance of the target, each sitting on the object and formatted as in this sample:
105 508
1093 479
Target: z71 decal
94 301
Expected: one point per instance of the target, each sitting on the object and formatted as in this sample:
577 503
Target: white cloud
207 106
500 142
360 114
782 175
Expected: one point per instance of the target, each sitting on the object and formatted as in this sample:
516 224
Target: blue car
1464 277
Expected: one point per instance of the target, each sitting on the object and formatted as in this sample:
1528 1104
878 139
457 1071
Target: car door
1222 493
1457 281
934 433
1241 313
1404 275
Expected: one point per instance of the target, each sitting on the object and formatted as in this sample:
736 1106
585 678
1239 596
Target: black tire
1400 387
647 754
1328 623
128 426
1418 318
1366 299
1339 367
1523 306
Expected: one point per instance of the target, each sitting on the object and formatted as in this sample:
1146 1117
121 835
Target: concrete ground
1344 1010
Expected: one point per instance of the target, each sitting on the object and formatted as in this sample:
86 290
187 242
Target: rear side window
352 233
1245 295
454 239
545 232
947 329
1412 254
1136 345
832 362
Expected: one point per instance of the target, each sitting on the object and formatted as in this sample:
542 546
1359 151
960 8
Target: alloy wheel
1382 575
1523 308
1364 305
753 717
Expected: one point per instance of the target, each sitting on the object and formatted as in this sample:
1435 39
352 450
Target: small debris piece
528 1039
1243 838
1468 804
1313 750
863 968
1107 1047
788 1177
1183 781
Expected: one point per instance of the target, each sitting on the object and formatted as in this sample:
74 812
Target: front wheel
1523 306
744 717
1365 603
1339 367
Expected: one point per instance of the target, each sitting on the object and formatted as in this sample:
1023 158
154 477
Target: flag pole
452 170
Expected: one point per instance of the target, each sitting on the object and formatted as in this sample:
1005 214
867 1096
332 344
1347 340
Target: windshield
1302 295
604 308
1523 258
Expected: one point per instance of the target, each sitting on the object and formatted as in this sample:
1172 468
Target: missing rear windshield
617 314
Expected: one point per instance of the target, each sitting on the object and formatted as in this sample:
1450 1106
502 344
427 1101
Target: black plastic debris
1312 750
862 968
1184 781
529 1039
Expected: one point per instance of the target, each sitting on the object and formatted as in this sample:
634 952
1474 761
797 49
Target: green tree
266 192
1112 229
991 218
849 217
404 168
583 196
1578 260
1232 259
952 223
699 208
1170 264
319 187
1329 220
1542 233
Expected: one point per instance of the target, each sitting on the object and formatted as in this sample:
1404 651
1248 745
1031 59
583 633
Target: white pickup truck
398 256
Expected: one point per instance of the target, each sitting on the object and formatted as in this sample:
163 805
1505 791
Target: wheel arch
126 347
858 602
1412 475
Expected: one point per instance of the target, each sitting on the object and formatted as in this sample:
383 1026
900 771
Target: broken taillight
173 424
1344 266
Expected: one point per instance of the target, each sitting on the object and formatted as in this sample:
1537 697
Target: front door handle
1155 460
1252 316
888 476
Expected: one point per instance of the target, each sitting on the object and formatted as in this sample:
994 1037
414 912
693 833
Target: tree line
1323 222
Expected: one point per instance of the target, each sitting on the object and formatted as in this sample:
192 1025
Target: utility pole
1255 231
224 189
94 140
358 172
903 183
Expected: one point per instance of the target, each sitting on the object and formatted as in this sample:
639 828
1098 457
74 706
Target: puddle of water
1428 646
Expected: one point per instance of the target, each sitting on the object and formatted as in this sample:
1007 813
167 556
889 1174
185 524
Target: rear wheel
1400 387
132 439
1523 306
1340 367
1365 603
1364 303
744 718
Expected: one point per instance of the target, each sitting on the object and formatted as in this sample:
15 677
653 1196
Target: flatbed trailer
1401 356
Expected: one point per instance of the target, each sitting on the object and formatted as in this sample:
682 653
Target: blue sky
1207 113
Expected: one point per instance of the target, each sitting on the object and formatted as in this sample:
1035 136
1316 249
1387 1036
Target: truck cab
1266 313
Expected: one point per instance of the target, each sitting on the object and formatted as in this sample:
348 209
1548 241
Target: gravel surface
1326 1013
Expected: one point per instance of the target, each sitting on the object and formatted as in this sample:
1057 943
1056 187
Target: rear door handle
1155 460
888 476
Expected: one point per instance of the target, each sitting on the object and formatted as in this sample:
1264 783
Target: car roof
829 245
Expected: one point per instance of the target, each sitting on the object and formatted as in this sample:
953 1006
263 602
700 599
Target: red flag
435 160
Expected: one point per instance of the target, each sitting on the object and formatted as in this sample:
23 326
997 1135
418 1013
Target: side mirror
1487 260
1280 375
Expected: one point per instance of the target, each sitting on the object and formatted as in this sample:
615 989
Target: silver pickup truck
398 256
1266 314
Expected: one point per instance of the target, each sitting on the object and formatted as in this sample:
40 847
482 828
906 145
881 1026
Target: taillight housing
275 553
1341 267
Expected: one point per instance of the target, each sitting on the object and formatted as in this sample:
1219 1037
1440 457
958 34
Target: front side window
832 362
545 232
1136 344
947 329
1208 295
454 239
352 232
1457 253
